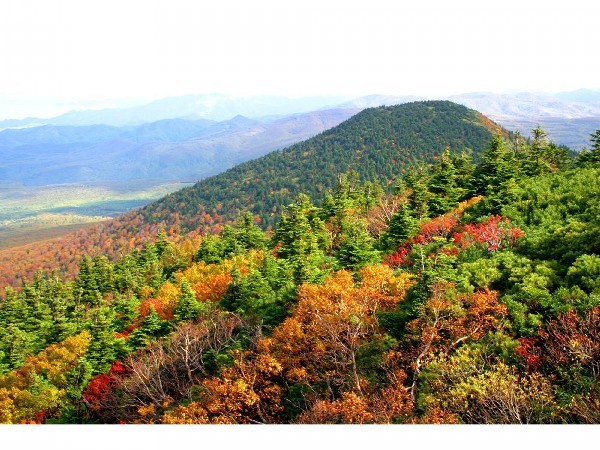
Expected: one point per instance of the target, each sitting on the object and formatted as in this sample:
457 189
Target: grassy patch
34 213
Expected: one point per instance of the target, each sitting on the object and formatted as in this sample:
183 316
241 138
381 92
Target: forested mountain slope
468 293
378 144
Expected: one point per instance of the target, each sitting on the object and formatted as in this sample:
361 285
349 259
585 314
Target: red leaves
147 304
96 390
100 386
570 340
440 226
529 353
118 369
400 258
492 234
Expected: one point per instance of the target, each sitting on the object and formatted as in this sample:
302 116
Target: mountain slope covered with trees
378 144
467 293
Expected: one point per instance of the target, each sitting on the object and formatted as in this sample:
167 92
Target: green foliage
402 227
264 293
234 240
559 215
105 347
357 247
378 144
188 307
300 238
590 158
152 327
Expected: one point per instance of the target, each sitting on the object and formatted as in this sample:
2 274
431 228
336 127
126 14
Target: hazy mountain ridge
217 107
515 111
169 149
569 118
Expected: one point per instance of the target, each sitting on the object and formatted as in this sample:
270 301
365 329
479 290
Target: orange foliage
391 404
248 392
213 288
146 306
319 342
447 319
111 238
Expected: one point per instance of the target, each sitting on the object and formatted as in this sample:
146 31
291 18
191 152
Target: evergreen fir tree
152 327
188 307
401 228
357 246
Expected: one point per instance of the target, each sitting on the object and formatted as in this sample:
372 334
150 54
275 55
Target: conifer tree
188 307
416 184
592 156
402 227
357 246
86 286
152 327
444 186
105 347
297 239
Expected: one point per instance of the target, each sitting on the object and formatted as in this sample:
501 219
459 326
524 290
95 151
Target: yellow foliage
38 388
168 295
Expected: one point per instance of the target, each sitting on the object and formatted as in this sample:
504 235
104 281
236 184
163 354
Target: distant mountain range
569 118
559 113
215 107
169 149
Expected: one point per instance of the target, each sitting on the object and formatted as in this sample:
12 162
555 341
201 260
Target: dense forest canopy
464 291
378 144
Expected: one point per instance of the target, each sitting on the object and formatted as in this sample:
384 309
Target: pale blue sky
62 53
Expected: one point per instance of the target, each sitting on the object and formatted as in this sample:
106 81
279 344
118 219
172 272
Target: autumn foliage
425 305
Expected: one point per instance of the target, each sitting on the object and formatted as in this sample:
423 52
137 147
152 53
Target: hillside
470 294
79 173
378 144
168 150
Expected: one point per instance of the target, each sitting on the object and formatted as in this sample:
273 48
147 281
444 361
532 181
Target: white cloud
77 50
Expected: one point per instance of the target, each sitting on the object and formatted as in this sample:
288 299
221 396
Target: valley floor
34 213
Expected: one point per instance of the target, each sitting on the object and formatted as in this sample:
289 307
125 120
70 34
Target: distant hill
378 143
170 149
217 107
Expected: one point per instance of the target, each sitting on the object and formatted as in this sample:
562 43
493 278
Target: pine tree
444 186
86 286
401 228
357 246
416 184
105 347
152 327
297 239
592 156
188 307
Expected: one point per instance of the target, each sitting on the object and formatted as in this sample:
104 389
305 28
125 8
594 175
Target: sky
60 54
